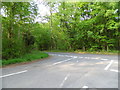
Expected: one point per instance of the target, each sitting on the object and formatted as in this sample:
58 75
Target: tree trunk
83 48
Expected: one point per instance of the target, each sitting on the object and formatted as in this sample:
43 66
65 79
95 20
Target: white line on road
77 56
52 54
74 56
60 55
62 61
87 57
61 85
80 57
13 73
94 58
106 68
116 62
85 87
104 59
113 70
63 55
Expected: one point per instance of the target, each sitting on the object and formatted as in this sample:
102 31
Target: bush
25 58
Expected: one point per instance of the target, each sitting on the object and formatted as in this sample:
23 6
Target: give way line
97 58
107 67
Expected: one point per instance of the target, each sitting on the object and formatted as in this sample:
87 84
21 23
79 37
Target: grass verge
25 58
98 52
88 52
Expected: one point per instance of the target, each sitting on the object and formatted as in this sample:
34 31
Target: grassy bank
98 52
25 58
114 52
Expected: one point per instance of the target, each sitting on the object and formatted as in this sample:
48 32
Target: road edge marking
13 74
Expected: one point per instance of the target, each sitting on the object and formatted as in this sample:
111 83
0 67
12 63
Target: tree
17 15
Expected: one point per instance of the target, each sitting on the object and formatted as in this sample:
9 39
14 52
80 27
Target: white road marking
77 61
113 70
13 73
61 85
66 55
52 54
62 55
85 87
116 62
80 57
74 56
94 58
87 57
72 64
62 61
106 68
77 56
104 59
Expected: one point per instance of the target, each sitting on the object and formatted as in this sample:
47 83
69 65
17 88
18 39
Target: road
64 70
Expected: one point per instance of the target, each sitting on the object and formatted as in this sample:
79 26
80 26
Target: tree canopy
70 26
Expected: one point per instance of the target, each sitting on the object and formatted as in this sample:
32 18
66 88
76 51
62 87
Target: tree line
70 26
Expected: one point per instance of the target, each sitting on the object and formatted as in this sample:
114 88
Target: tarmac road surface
64 70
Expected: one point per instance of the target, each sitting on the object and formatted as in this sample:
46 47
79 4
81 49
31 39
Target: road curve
64 70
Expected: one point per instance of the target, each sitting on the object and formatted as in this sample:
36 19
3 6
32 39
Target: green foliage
87 26
15 24
25 58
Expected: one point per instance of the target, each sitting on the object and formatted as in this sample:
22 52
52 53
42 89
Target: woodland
86 26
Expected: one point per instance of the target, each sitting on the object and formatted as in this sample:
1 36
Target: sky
42 10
